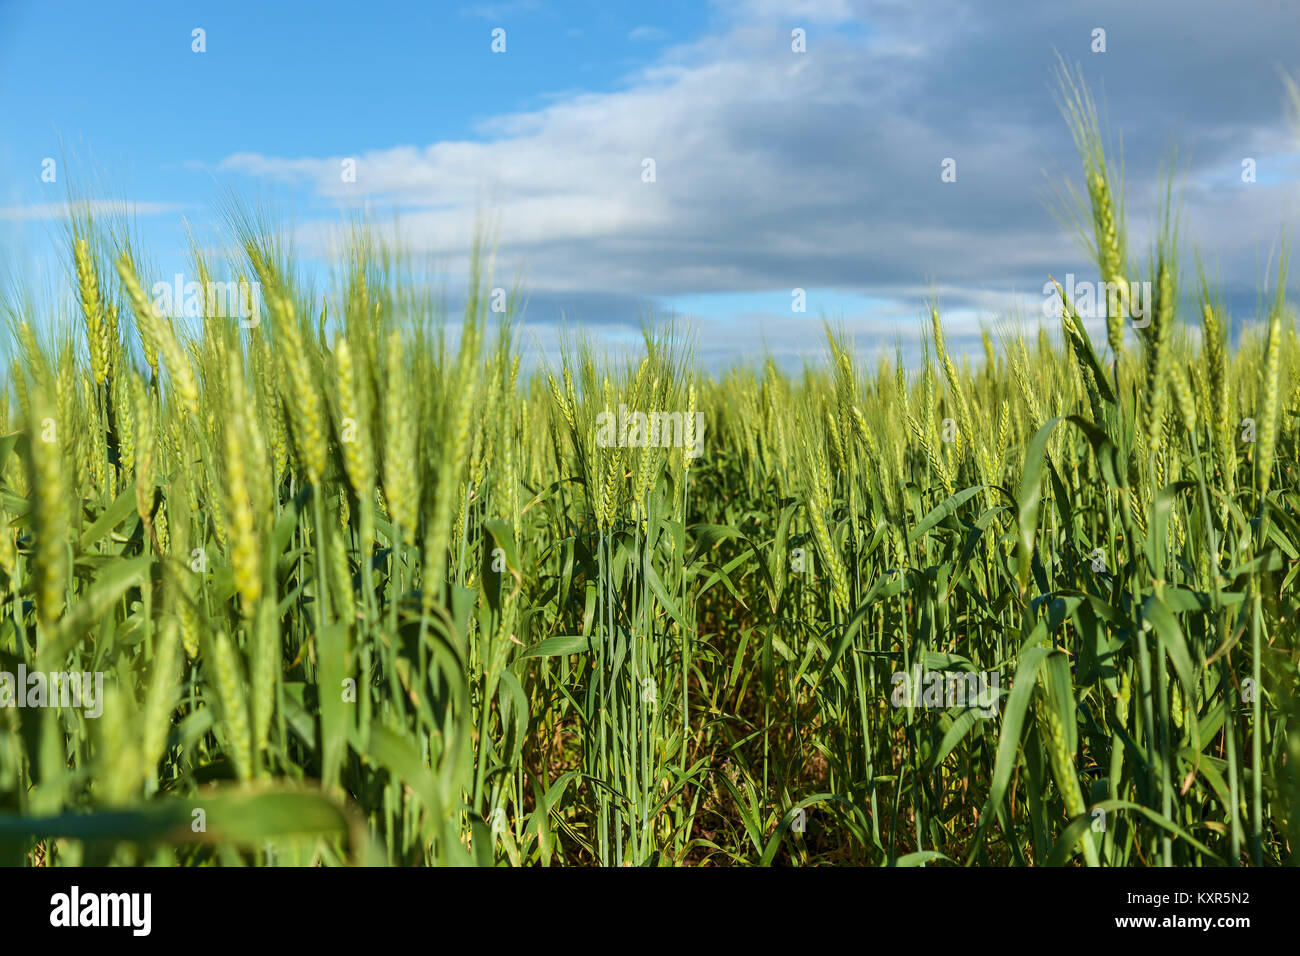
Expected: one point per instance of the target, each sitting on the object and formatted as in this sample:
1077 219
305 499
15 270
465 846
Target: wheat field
365 586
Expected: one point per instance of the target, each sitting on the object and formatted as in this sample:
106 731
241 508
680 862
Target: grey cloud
822 170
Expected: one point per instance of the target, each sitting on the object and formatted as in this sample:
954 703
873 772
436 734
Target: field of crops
359 591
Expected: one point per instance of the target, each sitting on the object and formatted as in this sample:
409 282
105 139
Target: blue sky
344 78
775 169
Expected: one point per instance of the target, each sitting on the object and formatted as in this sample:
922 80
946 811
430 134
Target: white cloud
646 34
39 212
500 10
776 169
794 11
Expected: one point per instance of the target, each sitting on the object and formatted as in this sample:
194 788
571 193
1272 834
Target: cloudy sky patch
776 169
